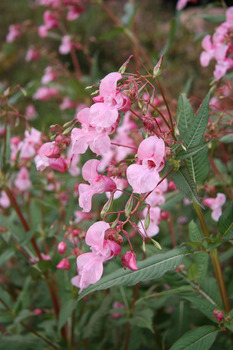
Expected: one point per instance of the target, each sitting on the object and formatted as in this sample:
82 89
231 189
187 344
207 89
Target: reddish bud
61 247
129 260
64 264
164 215
37 312
172 186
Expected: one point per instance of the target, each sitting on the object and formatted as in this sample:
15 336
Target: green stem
215 260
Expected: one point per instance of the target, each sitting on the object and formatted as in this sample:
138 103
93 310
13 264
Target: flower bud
129 260
64 264
61 247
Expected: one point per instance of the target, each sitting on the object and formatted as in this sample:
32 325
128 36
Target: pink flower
31 112
98 140
50 75
117 305
22 181
50 23
37 312
215 204
67 104
32 54
129 260
64 264
66 45
45 93
218 314
48 157
156 198
14 33
144 177
98 184
90 265
30 143
61 247
4 200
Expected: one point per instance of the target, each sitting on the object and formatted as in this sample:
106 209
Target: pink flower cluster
220 48
101 119
182 3
215 204
90 265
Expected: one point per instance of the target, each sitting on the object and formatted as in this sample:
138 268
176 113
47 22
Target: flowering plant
121 211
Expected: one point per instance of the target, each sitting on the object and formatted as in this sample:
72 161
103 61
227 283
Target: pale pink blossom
98 184
50 22
22 181
14 33
98 141
66 45
67 104
129 260
144 177
81 216
156 197
215 204
31 142
31 112
45 93
90 265
50 75
120 185
4 200
48 157
14 145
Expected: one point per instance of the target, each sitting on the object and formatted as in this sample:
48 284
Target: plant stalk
215 260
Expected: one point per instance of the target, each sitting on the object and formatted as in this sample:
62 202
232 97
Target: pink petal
141 178
89 170
95 233
108 84
102 115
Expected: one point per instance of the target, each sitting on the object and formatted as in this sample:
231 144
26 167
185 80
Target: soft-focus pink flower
45 93
215 204
98 184
66 45
64 264
50 22
31 142
32 54
37 312
50 75
48 157
22 181
67 104
31 112
90 265
218 314
117 305
4 200
61 247
14 33
156 198
129 260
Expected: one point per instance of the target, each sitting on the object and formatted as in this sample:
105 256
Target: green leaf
23 314
197 339
65 312
198 166
201 260
6 256
194 134
192 272
194 233
227 138
186 185
225 223
190 152
184 114
143 317
151 268
15 342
